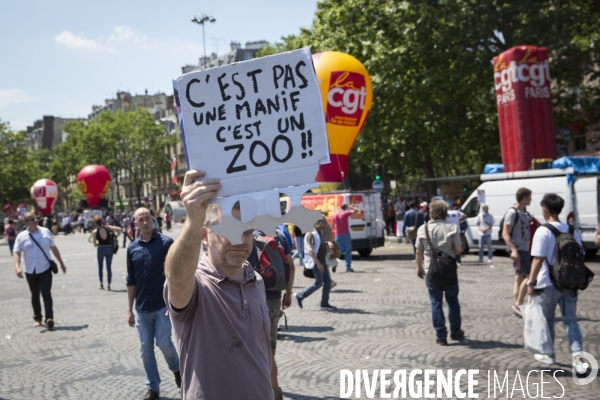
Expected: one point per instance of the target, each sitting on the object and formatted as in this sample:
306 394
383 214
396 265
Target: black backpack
442 268
500 238
568 271
11 231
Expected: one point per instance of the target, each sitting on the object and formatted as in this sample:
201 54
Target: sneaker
543 358
101 286
334 268
37 323
441 342
177 378
50 323
333 284
479 261
350 270
108 287
151 395
297 300
457 335
489 261
580 366
328 307
516 310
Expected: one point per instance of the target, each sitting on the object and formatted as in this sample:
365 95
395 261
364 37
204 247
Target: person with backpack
278 259
438 241
104 238
10 233
315 259
557 274
515 233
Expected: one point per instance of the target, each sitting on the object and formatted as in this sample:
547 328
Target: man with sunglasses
35 243
217 305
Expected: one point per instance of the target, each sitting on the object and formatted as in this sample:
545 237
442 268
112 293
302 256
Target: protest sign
257 126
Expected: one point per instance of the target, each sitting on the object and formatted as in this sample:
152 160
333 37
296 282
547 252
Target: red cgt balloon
94 183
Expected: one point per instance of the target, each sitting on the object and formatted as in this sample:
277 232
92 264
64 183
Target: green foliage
19 166
434 111
126 144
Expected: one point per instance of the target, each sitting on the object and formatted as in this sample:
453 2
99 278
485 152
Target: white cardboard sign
258 126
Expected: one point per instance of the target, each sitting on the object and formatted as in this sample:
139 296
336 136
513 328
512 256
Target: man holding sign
217 305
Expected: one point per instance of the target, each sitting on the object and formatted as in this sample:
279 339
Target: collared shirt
223 337
146 271
33 258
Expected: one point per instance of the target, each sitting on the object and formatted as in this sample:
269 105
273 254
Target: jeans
436 295
41 283
299 249
150 326
321 279
105 252
548 299
344 242
11 245
485 241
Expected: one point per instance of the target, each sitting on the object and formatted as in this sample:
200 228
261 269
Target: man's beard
228 259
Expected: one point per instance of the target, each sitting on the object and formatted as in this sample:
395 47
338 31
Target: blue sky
60 57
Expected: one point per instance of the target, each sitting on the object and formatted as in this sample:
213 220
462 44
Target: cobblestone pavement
383 322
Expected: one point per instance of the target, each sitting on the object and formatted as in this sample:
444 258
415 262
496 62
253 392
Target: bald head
141 210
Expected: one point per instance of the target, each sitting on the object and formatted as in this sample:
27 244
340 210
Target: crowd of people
213 307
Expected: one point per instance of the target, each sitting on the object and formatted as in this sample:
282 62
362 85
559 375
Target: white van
366 226
498 192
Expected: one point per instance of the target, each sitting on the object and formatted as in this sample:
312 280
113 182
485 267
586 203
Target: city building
47 132
236 54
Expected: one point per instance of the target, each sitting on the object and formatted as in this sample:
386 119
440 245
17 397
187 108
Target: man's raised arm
182 258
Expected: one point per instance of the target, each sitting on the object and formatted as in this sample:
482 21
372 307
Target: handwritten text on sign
261 118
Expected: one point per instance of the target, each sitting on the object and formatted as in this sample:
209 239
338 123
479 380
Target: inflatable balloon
94 183
347 95
44 192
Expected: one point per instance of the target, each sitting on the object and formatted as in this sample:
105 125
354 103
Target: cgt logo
346 98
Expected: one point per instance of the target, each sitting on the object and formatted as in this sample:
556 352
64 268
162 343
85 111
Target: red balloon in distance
44 192
94 183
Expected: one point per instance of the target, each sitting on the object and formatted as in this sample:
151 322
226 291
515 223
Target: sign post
377 186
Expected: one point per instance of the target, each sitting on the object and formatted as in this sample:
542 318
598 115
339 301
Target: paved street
383 322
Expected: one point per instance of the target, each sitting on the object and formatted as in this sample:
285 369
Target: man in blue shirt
145 280
413 218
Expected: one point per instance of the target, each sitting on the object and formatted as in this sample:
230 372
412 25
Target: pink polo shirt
340 219
223 337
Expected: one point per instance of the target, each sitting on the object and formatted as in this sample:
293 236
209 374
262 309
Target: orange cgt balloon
347 95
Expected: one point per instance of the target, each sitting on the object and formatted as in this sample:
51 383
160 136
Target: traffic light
377 168
465 188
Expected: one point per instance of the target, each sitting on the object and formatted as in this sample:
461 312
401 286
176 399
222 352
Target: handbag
442 267
53 265
411 231
113 239
536 333
309 273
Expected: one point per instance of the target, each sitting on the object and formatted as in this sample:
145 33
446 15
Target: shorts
523 266
275 313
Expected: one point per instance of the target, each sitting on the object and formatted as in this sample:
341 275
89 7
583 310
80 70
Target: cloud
14 96
67 39
125 34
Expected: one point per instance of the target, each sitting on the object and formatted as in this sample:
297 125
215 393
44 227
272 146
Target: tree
434 111
20 167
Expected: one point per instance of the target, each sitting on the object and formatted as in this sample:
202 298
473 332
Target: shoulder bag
442 267
53 265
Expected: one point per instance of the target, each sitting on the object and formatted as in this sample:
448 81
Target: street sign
377 186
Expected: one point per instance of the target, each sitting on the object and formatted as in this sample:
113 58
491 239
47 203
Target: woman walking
104 242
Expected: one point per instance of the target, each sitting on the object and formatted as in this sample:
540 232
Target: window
472 208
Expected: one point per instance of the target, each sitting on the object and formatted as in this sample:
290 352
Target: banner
523 99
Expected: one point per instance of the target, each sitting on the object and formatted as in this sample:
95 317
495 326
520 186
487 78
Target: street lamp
201 21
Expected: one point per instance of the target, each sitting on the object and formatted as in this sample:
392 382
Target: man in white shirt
454 217
37 266
543 248
485 222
